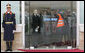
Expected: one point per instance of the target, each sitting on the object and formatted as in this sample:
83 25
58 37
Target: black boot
7 50
7 46
10 46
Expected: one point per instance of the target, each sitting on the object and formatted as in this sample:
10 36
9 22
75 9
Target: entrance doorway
41 21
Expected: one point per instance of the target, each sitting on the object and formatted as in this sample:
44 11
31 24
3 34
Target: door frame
77 28
78 22
23 21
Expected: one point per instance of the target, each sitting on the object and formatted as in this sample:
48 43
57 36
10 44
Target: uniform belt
8 22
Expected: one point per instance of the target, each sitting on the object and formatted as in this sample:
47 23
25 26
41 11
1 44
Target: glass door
41 20
40 30
66 35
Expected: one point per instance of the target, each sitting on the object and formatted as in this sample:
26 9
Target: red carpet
58 50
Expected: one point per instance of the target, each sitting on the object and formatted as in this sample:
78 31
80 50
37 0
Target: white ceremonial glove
37 29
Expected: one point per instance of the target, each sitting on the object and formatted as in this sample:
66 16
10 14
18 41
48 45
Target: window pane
81 12
41 19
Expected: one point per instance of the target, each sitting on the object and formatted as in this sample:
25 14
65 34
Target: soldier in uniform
9 24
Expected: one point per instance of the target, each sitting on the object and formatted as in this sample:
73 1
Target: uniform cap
8 5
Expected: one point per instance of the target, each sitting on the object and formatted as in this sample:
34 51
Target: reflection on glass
43 19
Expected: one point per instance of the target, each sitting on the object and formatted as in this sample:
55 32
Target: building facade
23 11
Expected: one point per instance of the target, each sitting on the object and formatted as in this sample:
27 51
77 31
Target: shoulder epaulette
13 13
4 15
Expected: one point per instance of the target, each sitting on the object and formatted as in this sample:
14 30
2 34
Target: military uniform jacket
8 28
